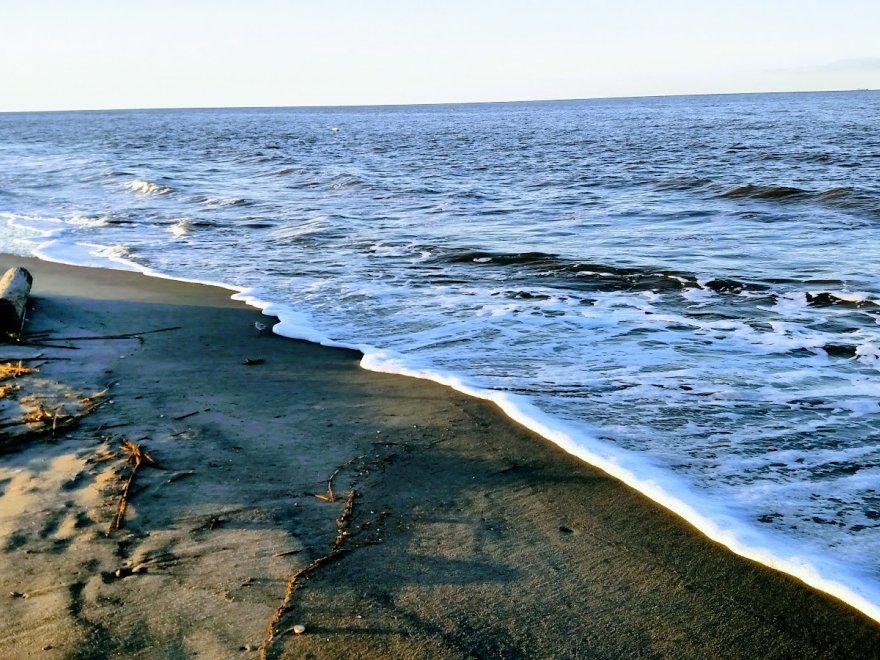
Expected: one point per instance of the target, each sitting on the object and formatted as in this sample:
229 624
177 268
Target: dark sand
469 535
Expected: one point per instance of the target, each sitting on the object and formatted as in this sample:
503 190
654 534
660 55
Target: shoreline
457 506
778 553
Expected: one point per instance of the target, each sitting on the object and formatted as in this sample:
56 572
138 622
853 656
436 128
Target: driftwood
335 552
330 496
137 456
127 335
15 286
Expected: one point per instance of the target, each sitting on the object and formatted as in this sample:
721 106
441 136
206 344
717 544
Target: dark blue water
683 291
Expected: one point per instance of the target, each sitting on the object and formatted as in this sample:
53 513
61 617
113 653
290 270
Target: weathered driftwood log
15 286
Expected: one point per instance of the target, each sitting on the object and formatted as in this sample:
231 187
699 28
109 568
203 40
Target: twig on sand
38 413
38 416
179 475
137 456
32 358
116 425
32 344
336 550
101 457
127 335
330 497
14 370
180 417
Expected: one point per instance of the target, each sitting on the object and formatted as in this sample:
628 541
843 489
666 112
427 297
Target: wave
845 199
286 171
501 258
850 199
600 277
344 181
681 184
48 226
765 192
225 201
181 228
839 298
148 187
88 221
840 197
303 231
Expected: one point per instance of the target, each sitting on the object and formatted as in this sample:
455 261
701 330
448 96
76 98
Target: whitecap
87 221
148 187
180 228
224 201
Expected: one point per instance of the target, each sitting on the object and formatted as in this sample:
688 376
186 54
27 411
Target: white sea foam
793 302
855 297
306 228
42 225
86 221
148 187
223 201
181 228
698 295
868 353
113 257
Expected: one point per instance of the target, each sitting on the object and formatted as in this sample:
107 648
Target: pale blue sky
79 54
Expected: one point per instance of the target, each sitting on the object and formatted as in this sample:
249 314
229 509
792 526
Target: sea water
683 291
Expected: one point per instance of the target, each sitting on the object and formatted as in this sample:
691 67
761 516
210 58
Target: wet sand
468 536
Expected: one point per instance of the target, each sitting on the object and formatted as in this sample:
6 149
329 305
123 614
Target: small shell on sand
298 629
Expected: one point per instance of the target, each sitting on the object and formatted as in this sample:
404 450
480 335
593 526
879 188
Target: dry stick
100 458
335 552
38 345
8 370
62 422
128 335
179 475
179 417
123 502
117 425
39 356
36 333
330 497
137 456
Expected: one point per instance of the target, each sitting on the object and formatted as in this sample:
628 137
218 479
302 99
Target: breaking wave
148 187
601 277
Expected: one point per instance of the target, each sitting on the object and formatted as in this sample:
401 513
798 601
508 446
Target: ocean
682 291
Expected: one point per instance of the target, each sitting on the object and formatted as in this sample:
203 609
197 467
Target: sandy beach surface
272 483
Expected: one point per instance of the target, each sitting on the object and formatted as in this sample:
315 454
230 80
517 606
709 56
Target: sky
96 54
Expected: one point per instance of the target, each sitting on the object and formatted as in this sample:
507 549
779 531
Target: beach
285 486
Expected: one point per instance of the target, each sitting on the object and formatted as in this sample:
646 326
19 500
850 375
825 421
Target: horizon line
434 103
